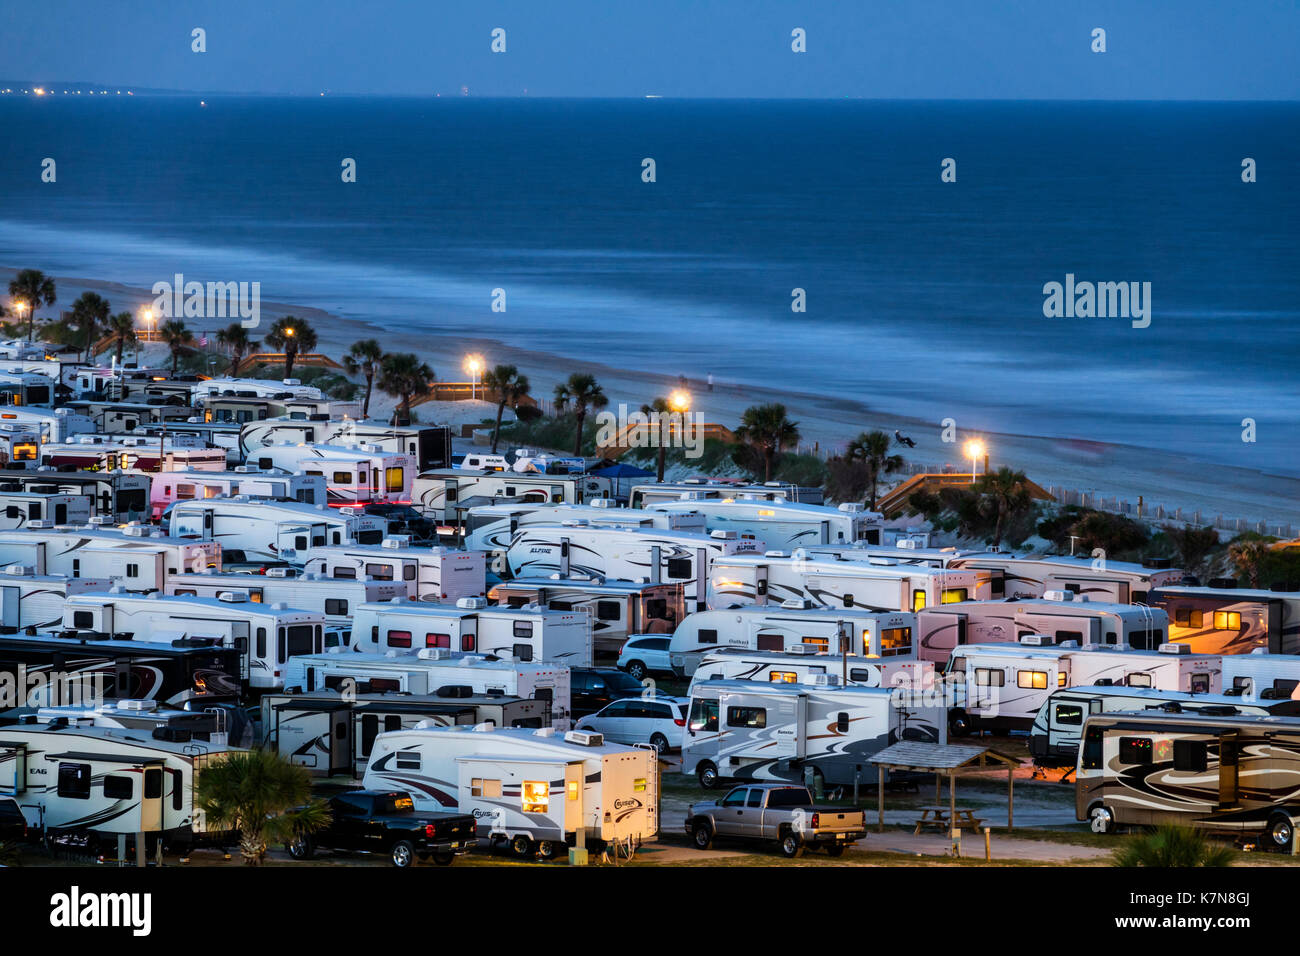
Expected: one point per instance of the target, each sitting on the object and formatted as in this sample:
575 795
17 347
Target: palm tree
1006 492
1172 846
35 288
659 407
235 337
121 328
767 430
581 393
177 337
367 358
291 335
405 377
263 796
872 449
1249 557
90 311
510 387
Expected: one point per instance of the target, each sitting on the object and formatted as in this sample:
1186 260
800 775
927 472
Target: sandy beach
826 422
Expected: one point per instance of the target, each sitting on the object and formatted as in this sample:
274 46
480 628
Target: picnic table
937 816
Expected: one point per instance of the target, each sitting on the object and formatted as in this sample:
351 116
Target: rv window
1196 618
1069 636
1092 750
152 784
679 567
317 540
1138 597
300 542
369 731
379 685
83 619
479 787
117 787
657 607
987 677
1200 684
842 722
336 606
1036 680
186 592
379 572
133 570
536 796
893 641
771 642
754 717
997 585
706 635
523 652
265 463
953 596
523 628
1190 755
399 638
608 611
342 477
261 642
348 574
467 642
74 780
704 715
408 572
301 641
437 640
1143 641
544 693
1241 683
1138 680
1112 637
823 643
11 511
392 722
1283 688
1227 620
918 600
406 760
859 675
396 478
1134 750
782 677
1069 715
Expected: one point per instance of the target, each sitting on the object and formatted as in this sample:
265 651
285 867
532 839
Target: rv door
1228 759
10 601
573 797
760 584
786 716
151 799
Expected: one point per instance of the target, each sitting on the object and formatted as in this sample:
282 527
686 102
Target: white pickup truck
778 813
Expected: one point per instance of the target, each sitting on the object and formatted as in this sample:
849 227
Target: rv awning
476 501
322 706
414 707
132 759
924 757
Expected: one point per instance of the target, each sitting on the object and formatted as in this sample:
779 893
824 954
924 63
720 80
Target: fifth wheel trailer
1232 620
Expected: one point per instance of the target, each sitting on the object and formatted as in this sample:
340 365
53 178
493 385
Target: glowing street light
474 366
973 449
680 400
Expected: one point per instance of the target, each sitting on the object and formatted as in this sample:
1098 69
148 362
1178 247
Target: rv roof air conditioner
433 653
883 562
471 603
137 705
722 535
573 523
17 569
803 648
39 525
796 604
823 680
851 507
1174 648
1058 596
600 503
1036 640
233 597
583 738
774 554
394 542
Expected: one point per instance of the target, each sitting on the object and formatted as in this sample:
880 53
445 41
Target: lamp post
474 368
974 448
147 315
20 307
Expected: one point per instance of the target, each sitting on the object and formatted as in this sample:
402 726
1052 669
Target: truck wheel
403 854
548 849
521 846
636 670
702 835
301 848
835 849
1101 820
707 774
959 724
791 845
444 859
660 743
1279 833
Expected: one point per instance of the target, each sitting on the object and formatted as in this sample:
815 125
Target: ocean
922 296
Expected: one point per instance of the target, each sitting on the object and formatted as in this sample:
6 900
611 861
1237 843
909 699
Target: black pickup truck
377 821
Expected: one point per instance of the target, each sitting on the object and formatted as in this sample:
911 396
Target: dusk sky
961 49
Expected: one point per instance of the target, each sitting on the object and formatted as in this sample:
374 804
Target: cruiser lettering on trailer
77 910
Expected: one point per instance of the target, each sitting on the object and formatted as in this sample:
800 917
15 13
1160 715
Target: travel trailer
441 493
34 602
1055 733
210 725
526 787
644 495
116 496
783 525
630 554
262 530
72 668
524 461
19 445
429 445
1267 676
266 635
748 730
471 625
135 557
1002 686
491 528
428 574
1119 582
783 627
776 577
210 388
1061 614
135 452
1234 773
336 599
989 584
354 474
53 424
19 508
25 388
170 486
113 417
107 780
425 671
328 732
616 609
1231 620
806 663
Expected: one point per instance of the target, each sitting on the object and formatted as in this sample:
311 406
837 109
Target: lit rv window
536 796
1134 750
396 478
1037 680
1138 680
478 787
893 641
820 642
749 717
1060 678
1227 620
572 789
399 638
782 677
952 596
918 600
343 478
1069 715
437 640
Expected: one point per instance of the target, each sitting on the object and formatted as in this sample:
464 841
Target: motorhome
441 492
30 601
525 787
427 670
170 486
491 528
137 452
783 627
267 635
1062 614
783 525
107 780
1055 733
210 724
53 424
429 445
805 663
135 557
644 495
1267 676
260 529
72 668
989 584
616 609
19 508
471 625
1217 620
354 474
329 732
749 730
336 599
1233 773
523 461
20 445
429 574
210 388
675 557
117 496
1002 686
880 585
1120 582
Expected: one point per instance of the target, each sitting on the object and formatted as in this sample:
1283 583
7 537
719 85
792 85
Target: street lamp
20 307
474 368
974 448
147 315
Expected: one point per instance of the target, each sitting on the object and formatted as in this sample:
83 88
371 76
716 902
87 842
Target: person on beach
710 381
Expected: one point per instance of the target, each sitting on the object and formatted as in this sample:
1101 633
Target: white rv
430 446
107 780
644 495
1267 676
135 557
525 787
878 585
34 602
806 663
783 525
1120 582
428 574
1061 614
442 492
675 557
471 625
212 388
748 730
794 624
617 609
116 496
53 424
354 474
425 671
20 445
19 508
170 486
138 452
336 599
267 635
265 530
1218 620
989 584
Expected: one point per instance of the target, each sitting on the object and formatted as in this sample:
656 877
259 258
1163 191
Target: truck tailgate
836 819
